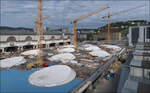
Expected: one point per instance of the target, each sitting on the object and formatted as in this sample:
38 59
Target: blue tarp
14 81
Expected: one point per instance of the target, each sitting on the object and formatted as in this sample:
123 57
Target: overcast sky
22 13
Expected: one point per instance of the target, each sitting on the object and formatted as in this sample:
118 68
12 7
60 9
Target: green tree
124 32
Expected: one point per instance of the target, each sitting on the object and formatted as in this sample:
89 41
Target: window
135 35
11 38
136 72
28 38
53 37
148 33
147 74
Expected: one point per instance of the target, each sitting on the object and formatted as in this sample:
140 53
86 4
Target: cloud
64 11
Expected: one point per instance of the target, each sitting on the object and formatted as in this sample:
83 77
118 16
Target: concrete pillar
34 47
90 89
21 48
3 50
47 45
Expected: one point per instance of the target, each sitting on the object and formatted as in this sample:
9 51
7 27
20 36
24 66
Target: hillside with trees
124 25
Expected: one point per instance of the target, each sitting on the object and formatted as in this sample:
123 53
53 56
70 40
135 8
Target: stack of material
52 76
89 64
10 62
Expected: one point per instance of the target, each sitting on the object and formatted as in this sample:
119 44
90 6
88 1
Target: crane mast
108 35
39 30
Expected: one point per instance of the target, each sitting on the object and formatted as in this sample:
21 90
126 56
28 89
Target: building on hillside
115 34
135 75
83 34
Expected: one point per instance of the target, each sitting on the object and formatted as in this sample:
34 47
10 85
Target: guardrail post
90 89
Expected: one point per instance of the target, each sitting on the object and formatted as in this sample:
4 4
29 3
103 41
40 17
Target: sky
23 13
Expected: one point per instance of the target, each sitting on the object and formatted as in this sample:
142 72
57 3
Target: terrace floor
108 86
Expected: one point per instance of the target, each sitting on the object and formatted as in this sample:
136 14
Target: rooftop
28 31
135 62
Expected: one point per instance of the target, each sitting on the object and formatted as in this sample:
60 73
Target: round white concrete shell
52 76
10 62
30 52
63 57
66 50
100 53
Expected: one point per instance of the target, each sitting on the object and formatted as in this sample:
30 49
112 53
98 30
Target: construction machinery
108 19
83 17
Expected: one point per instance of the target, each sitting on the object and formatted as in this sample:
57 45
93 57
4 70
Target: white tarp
66 50
99 53
64 57
10 62
30 52
52 76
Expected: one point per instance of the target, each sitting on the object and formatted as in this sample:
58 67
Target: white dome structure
99 53
89 47
69 46
52 76
10 62
64 57
30 52
66 50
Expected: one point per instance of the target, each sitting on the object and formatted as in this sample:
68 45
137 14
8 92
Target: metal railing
83 86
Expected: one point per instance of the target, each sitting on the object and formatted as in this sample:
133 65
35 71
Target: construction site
65 64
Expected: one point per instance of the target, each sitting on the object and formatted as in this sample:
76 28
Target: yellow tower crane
39 30
36 22
83 17
108 19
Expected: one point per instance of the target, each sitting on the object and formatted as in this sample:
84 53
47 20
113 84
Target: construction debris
84 61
